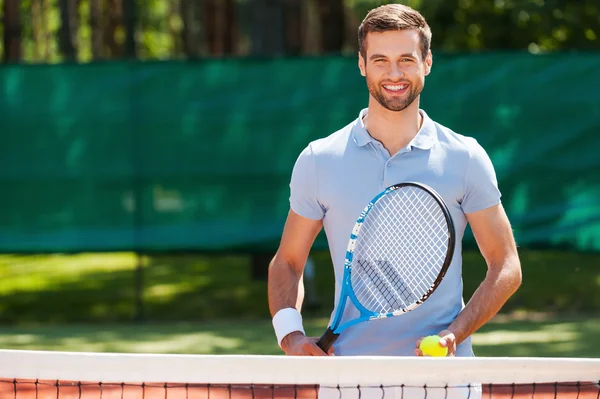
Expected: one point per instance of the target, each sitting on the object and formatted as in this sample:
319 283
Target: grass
100 288
66 288
87 302
514 336
563 335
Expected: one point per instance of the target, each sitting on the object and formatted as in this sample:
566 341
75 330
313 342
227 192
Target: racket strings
400 250
388 283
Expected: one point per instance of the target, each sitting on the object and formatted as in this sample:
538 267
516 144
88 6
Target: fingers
314 350
311 348
448 340
418 351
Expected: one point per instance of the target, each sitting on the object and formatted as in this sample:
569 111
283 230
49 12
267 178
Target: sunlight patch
522 337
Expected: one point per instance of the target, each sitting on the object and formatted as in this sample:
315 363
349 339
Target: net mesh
400 250
28 389
29 374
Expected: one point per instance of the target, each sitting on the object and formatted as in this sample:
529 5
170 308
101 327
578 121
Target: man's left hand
447 340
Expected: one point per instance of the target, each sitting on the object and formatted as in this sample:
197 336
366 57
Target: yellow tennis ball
431 346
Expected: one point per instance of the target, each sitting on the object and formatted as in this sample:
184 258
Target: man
392 141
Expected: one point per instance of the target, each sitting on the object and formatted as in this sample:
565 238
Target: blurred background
146 150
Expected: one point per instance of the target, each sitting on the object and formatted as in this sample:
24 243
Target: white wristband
287 321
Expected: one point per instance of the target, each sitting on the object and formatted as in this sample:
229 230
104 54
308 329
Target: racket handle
327 340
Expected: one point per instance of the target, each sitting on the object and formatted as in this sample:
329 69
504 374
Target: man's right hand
298 344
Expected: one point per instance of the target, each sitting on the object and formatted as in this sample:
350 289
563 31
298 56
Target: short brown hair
394 17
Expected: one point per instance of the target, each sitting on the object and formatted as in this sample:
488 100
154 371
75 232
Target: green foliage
536 26
158 23
478 25
458 26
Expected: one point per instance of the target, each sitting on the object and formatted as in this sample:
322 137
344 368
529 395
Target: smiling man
393 141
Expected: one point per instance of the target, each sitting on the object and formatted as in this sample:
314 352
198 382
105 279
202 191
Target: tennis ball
431 346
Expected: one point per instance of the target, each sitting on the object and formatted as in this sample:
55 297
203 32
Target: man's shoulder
455 141
334 143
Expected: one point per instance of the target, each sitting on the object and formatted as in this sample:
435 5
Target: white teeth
396 87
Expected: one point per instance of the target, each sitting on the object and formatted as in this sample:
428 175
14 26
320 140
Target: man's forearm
497 287
285 287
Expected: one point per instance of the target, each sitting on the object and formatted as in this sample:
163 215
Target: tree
130 17
266 27
293 23
331 16
12 31
190 34
96 26
220 27
68 29
113 22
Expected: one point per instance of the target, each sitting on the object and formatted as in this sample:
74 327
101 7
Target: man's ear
428 63
361 64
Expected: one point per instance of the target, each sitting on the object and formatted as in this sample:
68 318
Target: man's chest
347 186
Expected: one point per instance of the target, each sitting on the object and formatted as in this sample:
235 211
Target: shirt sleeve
481 184
304 187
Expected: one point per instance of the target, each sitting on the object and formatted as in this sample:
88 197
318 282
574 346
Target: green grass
87 302
63 288
100 288
563 335
547 336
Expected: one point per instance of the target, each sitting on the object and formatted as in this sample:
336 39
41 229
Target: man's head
394 54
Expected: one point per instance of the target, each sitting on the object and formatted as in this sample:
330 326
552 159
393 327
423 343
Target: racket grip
327 340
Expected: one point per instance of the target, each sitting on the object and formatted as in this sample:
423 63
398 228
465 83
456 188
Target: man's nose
395 72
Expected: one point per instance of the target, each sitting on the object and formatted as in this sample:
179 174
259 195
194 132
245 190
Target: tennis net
68 375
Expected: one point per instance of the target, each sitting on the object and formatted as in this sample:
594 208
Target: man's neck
393 129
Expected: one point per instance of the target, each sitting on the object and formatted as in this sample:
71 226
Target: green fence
197 155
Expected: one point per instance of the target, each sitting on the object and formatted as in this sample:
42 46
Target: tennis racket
399 251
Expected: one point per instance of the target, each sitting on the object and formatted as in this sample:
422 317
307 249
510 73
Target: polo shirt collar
425 138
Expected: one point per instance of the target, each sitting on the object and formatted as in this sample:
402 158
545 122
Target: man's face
394 67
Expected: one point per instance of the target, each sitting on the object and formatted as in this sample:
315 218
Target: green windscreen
198 155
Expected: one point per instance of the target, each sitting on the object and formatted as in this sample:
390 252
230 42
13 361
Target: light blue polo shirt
336 176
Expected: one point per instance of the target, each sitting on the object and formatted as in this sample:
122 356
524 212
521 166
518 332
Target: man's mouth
397 88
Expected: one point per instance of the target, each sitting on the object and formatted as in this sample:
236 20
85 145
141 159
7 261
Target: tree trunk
130 17
114 20
331 15
67 39
267 27
191 32
12 31
229 27
96 26
293 21
220 27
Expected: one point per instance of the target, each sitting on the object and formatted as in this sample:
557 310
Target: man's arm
285 287
494 237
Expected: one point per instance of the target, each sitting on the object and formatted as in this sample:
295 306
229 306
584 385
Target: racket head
421 230
400 250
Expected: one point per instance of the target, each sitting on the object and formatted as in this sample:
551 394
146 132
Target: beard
394 103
